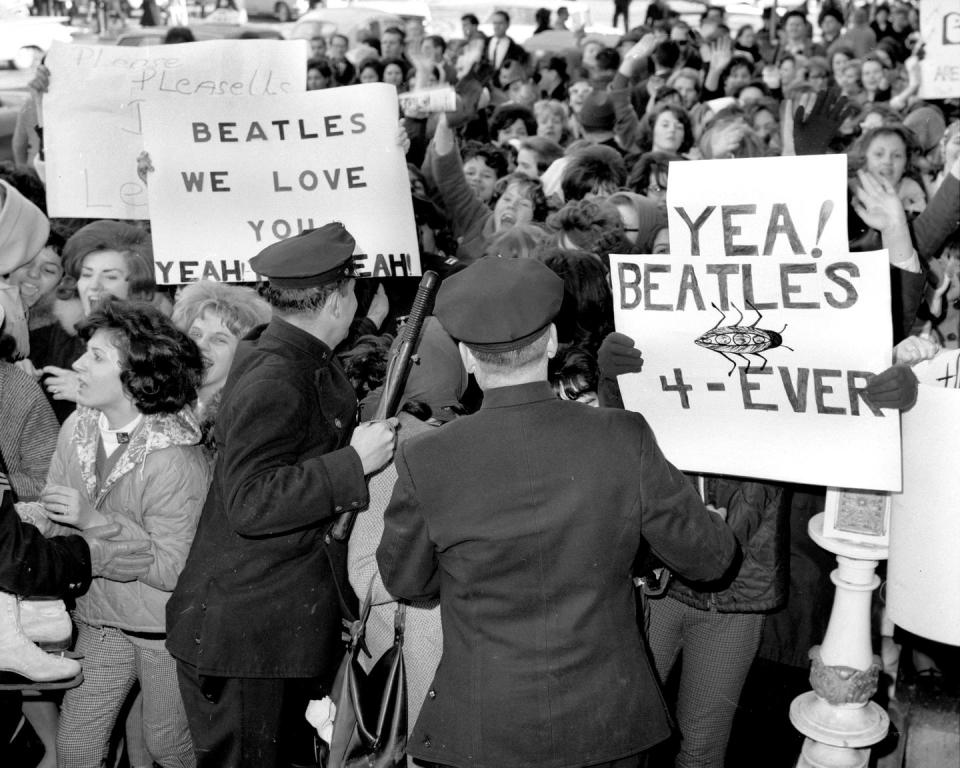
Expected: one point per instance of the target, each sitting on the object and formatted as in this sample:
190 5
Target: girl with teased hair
216 316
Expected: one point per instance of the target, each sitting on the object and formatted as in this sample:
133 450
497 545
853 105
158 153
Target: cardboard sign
923 568
233 176
940 67
93 113
759 330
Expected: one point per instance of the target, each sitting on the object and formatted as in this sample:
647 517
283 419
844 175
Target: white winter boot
22 657
47 623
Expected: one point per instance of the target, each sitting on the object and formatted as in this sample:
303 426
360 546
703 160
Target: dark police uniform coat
525 519
256 598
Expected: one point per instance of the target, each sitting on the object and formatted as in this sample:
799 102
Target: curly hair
532 189
240 308
493 156
593 170
375 64
590 225
404 67
365 363
737 62
546 150
658 162
517 242
574 373
586 314
505 116
544 109
133 242
858 152
26 183
160 366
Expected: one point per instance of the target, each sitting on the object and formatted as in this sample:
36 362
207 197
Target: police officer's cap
497 305
315 257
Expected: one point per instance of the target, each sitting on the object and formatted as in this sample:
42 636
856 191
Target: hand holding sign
618 354
745 329
915 349
895 388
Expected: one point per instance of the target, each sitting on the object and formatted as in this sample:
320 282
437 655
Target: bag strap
344 608
399 622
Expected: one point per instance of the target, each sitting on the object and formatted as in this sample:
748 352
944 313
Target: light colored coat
423 637
155 491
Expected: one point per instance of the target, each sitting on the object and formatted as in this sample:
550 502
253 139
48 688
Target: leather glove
895 387
813 131
117 560
618 354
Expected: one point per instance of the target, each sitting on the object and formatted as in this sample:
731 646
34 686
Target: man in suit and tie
501 48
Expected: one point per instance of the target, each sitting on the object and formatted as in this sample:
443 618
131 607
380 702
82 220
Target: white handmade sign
759 330
923 569
93 113
940 66
233 176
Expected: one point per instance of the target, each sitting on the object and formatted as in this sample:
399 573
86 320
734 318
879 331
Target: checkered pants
718 650
111 664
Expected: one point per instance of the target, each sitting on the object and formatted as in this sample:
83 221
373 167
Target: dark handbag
370 726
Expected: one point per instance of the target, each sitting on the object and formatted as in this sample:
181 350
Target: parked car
739 13
23 41
201 31
282 10
445 17
346 21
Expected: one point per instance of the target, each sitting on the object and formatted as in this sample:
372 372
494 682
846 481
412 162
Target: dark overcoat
256 597
34 566
525 518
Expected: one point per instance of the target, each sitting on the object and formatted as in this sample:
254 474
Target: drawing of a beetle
741 340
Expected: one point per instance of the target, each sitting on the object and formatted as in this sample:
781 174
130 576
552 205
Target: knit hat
597 113
23 229
927 124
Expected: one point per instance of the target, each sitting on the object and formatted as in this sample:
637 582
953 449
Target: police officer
255 621
525 519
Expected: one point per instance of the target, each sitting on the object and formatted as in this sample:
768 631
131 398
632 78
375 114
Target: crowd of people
177 456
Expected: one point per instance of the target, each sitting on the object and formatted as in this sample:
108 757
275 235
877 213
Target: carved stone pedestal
837 716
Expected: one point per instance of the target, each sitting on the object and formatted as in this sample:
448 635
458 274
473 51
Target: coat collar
155 432
286 334
519 394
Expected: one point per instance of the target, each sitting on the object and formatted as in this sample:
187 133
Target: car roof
202 31
345 21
